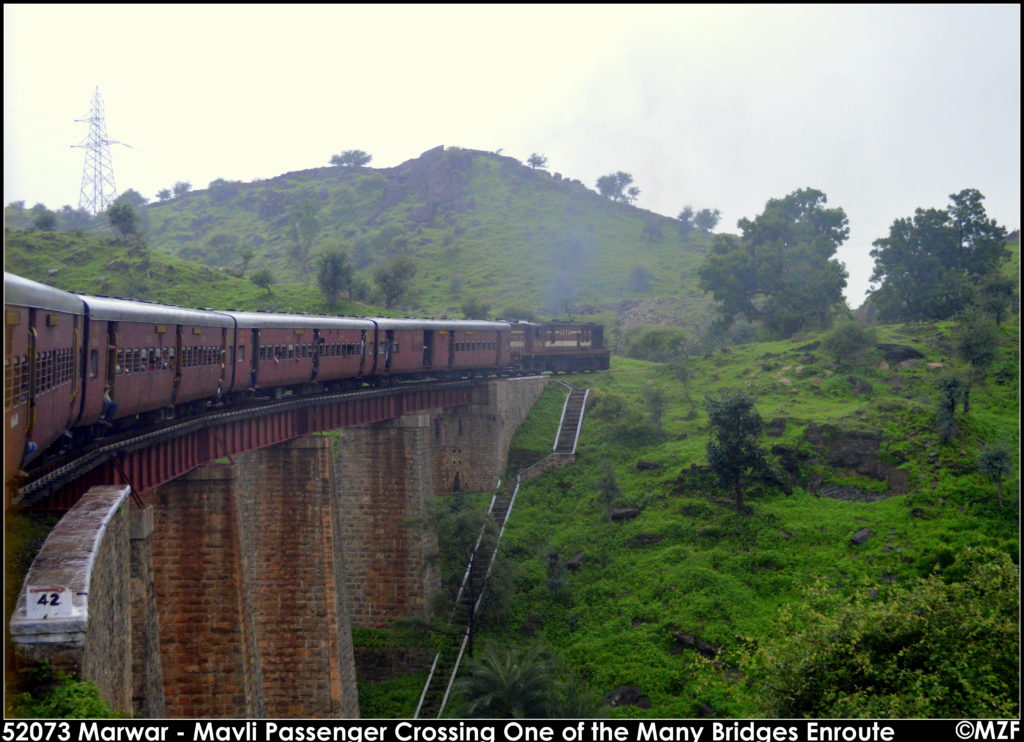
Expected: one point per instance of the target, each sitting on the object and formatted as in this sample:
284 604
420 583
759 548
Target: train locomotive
77 366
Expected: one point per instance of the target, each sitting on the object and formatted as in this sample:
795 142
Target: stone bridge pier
232 593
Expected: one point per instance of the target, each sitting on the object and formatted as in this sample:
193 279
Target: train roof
23 292
319 322
130 310
452 325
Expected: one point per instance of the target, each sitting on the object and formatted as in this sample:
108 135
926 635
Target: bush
937 648
56 695
659 344
848 341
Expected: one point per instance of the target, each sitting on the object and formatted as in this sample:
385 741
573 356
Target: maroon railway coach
282 351
43 331
426 347
152 359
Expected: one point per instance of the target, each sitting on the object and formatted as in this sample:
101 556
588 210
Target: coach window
241 354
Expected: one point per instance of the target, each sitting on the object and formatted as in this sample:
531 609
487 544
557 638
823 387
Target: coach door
428 348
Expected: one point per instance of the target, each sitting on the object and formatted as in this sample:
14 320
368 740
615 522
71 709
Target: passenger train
77 366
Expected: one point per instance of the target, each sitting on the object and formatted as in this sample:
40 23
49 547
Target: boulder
685 640
861 537
627 695
898 353
575 562
618 514
859 386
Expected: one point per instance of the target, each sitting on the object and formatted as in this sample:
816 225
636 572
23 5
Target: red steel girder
166 459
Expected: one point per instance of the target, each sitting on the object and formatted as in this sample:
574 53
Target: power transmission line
98 188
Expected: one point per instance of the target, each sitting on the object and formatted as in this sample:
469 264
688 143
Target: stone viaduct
232 591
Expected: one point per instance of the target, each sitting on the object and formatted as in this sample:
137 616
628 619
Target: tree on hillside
123 218
475 308
181 188
351 158
952 389
71 219
333 275
706 219
163 194
996 294
686 223
652 230
733 451
781 270
394 279
246 254
996 463
44 220
930 263
304 226
537 161
264 279
616 187
977 342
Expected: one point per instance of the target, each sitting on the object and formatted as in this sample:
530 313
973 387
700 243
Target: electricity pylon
98 189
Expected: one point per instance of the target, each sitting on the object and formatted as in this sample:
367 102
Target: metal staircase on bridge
461 624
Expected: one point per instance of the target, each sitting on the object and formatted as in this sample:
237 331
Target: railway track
55 472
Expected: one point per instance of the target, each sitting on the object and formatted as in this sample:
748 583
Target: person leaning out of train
109 407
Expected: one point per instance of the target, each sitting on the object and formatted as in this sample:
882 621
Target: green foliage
934 648
394 279
351 158
304 227
929 264
707 219
264 279
616 186
333 276
659 344
475 308
781 271
952 391
996 462
45 220
848 341
734 453
59 696
537 161
503 683
124 219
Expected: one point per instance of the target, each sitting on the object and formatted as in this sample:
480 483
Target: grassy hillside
690 573
94 265
477 224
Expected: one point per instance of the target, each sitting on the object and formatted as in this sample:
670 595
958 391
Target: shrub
904 656
848 341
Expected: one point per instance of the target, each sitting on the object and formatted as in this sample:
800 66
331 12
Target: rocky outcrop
627 695
857 451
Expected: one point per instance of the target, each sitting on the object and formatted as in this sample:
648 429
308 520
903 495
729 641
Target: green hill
477 224
690 603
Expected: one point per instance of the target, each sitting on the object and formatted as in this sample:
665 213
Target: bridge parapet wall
84 631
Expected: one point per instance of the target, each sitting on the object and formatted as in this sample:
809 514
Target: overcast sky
884 108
